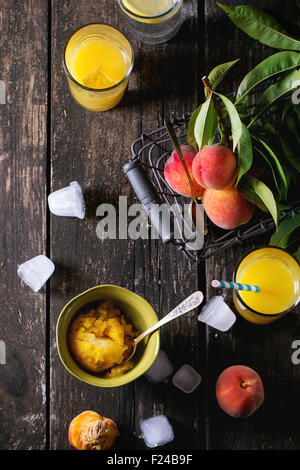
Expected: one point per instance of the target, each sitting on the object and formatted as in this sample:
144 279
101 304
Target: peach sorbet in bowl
99 339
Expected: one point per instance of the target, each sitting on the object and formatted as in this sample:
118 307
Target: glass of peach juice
277 273
97 61
153 21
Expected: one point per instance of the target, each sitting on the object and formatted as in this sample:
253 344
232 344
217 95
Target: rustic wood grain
164 275
90 148
23 153
267 349
95 158
38 397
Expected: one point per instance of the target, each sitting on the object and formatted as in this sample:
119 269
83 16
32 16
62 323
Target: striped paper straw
235 286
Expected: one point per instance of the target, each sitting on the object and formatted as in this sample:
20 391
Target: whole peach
215 167
227 208
91 431
175 174
239 391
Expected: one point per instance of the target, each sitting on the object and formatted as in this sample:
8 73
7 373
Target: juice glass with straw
153 21
97 60
276 273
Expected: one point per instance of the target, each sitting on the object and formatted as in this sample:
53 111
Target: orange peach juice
98 60
277 274
152 21
147 9
98 63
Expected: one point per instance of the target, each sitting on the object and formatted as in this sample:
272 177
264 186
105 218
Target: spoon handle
191 302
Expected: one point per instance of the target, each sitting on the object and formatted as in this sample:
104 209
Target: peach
239 391
227 208
175 174
90 431
215 167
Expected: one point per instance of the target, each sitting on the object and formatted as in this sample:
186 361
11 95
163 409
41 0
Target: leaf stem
223 127
173 137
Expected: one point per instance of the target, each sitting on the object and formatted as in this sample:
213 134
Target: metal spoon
191 302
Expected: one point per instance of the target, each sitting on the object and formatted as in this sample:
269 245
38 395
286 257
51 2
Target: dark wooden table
47 141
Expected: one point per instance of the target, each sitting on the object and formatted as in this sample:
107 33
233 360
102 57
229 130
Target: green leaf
284 236
245 153
285 85
191 128
297 254
296 108
293 128
285 110
284 207
242 109
259 194
273 140
273 65
270 129
206 124
261 26
235 121
218 73
292 239
277 170
290 141
290 154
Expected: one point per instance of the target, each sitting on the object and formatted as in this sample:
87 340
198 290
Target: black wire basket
145 173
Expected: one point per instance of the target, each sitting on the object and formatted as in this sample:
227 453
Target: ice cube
186 379
157 431
217 314
68 202
160 369
36 271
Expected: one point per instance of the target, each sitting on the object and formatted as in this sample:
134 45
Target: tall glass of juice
97 60
277 273
153 21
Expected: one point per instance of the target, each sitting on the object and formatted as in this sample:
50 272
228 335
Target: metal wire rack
151 151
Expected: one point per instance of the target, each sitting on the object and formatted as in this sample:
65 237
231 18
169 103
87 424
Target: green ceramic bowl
139 312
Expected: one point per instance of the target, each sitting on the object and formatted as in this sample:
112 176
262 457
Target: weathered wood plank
164 276
142 267
90 148
267 349
23 160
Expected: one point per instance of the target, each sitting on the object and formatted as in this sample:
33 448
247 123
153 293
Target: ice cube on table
36 271
157 431
160 369
217 314
186 379
68 202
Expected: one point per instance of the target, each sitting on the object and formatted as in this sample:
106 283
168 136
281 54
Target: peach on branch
239 391
90 431
215 167
175 173
227 208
